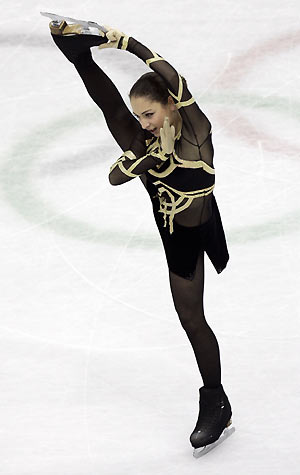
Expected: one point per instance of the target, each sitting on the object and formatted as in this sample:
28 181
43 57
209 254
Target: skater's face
151 114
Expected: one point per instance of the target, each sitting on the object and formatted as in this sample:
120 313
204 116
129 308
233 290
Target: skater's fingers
173 131
112 35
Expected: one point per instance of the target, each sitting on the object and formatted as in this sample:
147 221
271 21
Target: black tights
187 294
188 300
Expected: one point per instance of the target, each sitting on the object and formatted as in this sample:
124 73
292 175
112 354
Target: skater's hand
167 137
117 39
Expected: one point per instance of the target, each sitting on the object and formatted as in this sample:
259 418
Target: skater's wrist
123 43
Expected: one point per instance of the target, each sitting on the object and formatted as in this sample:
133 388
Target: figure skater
168 144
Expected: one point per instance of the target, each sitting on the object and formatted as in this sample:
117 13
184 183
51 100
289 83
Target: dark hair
151 85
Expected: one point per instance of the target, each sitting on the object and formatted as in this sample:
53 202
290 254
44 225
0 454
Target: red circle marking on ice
239 67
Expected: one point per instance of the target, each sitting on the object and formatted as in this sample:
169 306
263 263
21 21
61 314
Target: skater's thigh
120 121
188 294
123 126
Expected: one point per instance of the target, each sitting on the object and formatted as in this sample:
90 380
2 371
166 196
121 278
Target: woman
169 146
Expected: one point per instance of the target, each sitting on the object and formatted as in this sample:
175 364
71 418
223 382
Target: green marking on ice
18 182
279 104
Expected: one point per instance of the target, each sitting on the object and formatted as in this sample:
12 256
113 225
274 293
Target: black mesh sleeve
196 126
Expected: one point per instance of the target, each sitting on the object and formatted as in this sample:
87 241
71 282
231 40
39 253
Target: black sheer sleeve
196 126
136 161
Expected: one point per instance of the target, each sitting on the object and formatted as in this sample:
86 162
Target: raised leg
123 126
120 121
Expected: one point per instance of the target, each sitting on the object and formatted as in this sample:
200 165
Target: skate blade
204 450
90 27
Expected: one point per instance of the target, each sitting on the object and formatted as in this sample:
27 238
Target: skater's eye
147 114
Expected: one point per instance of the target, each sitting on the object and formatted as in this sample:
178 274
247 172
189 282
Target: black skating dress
181 186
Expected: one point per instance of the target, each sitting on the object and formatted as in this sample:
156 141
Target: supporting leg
188 301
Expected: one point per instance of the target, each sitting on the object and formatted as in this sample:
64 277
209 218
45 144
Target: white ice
97 375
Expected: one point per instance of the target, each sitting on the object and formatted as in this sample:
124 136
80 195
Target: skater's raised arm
195 124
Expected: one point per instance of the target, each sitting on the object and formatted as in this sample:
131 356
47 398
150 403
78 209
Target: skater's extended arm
134 163
128 166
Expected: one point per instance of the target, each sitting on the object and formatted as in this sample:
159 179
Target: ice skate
75 37
213 423
62 25
207 448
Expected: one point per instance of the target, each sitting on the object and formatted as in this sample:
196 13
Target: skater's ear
172 103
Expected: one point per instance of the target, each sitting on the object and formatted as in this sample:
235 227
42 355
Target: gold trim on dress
125 42
156 57
170 208
178 98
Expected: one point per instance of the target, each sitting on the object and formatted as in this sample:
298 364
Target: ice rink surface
97 375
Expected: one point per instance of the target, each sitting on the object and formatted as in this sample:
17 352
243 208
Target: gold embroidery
136 161
156 57
185 103
177 200
125 42
172 207
194 164
178 98
165 173
128 154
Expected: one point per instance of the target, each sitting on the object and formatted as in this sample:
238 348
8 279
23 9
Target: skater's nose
145 124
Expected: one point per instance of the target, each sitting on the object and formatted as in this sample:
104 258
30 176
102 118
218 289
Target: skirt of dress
182 247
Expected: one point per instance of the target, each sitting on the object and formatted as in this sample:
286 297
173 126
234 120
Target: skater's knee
192 319
188 305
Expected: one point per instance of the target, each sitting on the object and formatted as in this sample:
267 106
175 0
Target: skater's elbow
112 180
116 179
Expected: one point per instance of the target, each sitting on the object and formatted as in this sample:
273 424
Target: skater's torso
184 181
